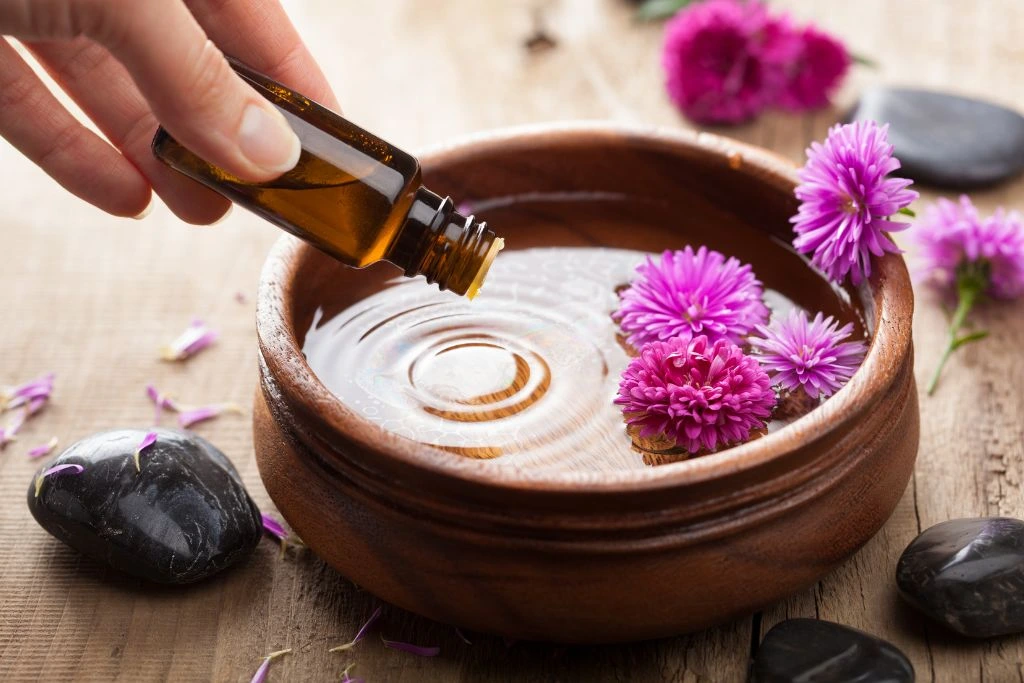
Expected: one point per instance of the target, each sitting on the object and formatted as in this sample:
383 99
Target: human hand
131 63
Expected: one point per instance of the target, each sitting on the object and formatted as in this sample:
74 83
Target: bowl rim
887 295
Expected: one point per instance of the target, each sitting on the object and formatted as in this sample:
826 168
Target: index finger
260 34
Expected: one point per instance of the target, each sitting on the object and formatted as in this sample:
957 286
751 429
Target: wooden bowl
586 556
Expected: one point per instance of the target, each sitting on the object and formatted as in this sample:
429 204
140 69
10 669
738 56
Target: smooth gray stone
181 518
947 140
968 574
814 651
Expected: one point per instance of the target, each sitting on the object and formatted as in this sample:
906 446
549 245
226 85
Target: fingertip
207 214
267 141
146 211
197 205
227 215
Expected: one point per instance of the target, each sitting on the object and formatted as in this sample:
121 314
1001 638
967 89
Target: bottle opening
478 280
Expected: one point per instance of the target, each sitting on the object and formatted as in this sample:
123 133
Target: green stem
968 291
863 61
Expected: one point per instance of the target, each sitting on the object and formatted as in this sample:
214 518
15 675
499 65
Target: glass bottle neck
446 247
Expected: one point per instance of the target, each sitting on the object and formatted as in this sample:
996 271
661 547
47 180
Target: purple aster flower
687 293
816 72
846 200
44 449
725 60
953 238
700 394
807 354
972 258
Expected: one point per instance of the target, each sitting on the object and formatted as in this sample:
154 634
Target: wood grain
93 297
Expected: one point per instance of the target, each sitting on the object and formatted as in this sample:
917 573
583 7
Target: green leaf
653 10
863 61
968 338
907 212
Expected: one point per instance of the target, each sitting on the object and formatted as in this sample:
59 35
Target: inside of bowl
525 375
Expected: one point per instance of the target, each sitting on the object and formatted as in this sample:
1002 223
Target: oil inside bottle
353 195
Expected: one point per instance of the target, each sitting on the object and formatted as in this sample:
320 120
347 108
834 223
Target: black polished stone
184 516
814 651
968 574
947 140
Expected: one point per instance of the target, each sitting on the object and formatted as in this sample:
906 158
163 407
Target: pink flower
816 72
687 293
953 238
725 60
971 258
809 354
846 200
699 394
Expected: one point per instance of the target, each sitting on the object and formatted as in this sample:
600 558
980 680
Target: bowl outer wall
780 511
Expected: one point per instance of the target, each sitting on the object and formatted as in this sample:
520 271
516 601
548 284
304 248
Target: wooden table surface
92 298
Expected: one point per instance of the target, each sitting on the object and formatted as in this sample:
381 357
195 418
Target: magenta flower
807 354
972 258
698 394
687 293
846 200
194 339
724 60
816 72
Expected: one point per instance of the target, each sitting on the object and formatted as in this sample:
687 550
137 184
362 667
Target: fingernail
266 139
145 212
227 214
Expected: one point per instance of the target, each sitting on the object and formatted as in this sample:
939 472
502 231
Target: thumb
193 91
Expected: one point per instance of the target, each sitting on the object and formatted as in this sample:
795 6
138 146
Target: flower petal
148 440
43 449
418 650
361 633
191 416
274 528
261 673
194 339
68 468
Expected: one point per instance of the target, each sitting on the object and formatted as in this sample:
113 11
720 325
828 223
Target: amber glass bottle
352 195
